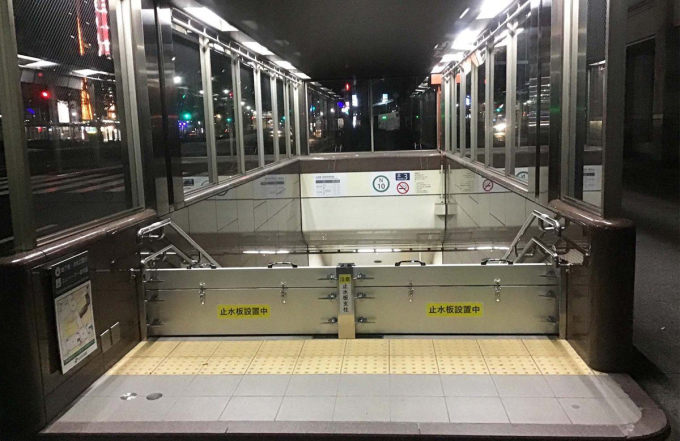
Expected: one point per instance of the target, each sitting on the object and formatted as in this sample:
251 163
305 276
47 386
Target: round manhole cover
128 396
154 396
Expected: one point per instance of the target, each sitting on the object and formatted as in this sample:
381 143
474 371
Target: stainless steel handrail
144 231
165 250
545 223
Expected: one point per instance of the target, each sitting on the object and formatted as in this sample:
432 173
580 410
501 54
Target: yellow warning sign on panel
345 278
455 309
243 311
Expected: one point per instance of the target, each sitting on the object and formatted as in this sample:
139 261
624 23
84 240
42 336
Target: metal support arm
145 231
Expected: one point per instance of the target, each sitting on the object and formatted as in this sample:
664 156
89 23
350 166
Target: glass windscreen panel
585 159
226 145
248 114
189 86
78 159
455 129
525 106
280 124
266 118
498 119
394 112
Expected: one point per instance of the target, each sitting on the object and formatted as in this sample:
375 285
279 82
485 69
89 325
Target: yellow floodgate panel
512 365
562 366
462 365
456 347
272 365
365 364
226 366
237 349
411 347
367 347
413 364
136 366
280 348
153 349
323 347
195 349
181 366
330 364
502 347
553 348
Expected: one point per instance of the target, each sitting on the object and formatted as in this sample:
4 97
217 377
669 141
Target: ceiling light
365 250
491 8
177 80
439 68
464 13
465 40
383 250
267 252
283 252
257 47
210 18
453 56
284 64
87 72
301 75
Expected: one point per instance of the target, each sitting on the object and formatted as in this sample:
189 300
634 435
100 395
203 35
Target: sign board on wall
73 307
402 183
330 185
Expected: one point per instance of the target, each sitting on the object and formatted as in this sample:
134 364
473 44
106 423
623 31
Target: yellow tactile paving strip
364 356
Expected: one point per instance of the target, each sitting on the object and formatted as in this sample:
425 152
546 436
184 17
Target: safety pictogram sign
402 188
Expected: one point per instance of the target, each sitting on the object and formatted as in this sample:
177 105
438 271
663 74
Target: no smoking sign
402 188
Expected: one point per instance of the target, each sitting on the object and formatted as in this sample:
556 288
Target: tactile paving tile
512 365
237 349
366 364
502 347
413 364
153 349
226 365
136 366
456 347
328 364
551 347
280 348
367 347
323 347
180 366
195 349
411 347
272 365
462 365
562 366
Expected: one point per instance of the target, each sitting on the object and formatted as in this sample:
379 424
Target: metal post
16 151
474 108
286 110
489 110
296 112
370 112
455 146
461 114
208 109
259 117
614 104
447 113
275 116
121 20
238 113
306 90
510 102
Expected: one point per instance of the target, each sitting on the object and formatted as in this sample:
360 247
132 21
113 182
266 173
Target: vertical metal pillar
16 151
208 110
489 107
238 114
447 113
286 111
510 102
462 112
296 113
474 109
455 146
259 118
275 116
370 112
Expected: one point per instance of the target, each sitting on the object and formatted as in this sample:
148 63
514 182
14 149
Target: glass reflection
223 108
248 113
